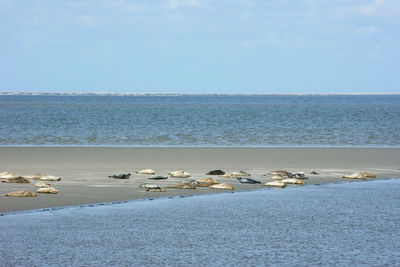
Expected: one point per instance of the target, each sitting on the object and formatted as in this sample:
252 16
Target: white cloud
173 4
371 8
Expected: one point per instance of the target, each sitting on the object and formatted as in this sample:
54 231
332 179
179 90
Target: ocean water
200 120
345 224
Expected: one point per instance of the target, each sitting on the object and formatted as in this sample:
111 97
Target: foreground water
346 224
200 120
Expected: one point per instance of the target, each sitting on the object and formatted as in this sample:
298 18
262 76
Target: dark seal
216 172
120 176
248 181
158 178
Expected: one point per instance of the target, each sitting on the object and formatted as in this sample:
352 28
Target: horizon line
183 94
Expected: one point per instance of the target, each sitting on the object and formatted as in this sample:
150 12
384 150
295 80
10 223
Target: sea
342 224
339 224
213 120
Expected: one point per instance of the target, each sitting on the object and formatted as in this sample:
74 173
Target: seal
6 174
18 180
42 184
216 172
292 181
21 193
179 174
278 184
182 186
47 190
360 175
206 182
158 178
280 173
120 176
146 171
247 181
222 187
48 178
235 174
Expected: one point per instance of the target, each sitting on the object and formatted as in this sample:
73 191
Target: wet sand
84 170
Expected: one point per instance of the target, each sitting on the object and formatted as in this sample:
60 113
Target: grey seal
120 176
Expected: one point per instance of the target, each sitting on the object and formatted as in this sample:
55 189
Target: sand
84 170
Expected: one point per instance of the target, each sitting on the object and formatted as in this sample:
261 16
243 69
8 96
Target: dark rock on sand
216 172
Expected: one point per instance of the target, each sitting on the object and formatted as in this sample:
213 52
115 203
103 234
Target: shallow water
345 224
200 120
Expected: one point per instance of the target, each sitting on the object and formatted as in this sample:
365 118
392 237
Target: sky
200 46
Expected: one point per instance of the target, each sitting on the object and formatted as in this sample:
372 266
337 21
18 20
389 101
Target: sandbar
84 170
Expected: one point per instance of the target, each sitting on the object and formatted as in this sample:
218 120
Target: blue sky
192 46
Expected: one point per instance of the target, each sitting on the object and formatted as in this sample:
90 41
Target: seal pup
21 193
360 175
216 172
179 174
120 176
47 190
222 186
18 180
158 178
278 184
6 174
314 173
42 184
146 171
247 181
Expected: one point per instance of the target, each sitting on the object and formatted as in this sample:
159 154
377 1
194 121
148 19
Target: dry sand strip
85 170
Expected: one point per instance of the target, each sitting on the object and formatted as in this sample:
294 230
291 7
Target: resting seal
47 178
21 193
5 175
120 176
216 172
222 187
159 178
47 190
360 175
18 180
179 174
146 171
248 181
278 184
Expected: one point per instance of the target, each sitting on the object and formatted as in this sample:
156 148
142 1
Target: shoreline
84 170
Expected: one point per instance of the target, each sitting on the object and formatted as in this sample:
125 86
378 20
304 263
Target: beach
85 170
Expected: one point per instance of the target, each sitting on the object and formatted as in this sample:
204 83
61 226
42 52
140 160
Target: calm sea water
200 120
346 224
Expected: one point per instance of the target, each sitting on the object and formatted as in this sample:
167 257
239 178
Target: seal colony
276 179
